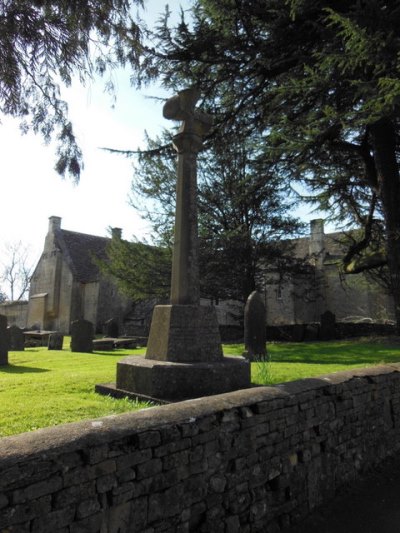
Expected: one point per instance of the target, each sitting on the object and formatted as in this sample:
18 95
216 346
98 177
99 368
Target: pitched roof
79 250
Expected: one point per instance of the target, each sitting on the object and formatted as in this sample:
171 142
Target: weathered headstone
3 341
311 332
328 326
255 324
56 341
111 328
16 339
82 334
184 355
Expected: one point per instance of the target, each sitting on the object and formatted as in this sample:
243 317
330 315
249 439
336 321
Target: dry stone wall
253 460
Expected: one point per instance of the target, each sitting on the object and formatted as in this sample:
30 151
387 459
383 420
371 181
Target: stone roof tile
79 250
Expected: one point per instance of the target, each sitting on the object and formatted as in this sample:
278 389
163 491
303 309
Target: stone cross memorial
184 356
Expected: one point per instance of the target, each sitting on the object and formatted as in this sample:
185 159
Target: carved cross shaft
188 142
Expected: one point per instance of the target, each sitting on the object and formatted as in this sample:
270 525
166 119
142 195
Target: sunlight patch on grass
291 361
43 388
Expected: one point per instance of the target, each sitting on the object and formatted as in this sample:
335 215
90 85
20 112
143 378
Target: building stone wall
63 321
76 302
111 304
16 313
50 293
229 312
279 301
37 306
67 284
303 297
252 460
90 299
65 287
355 296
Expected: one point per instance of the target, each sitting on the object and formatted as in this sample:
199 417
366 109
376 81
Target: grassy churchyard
43 388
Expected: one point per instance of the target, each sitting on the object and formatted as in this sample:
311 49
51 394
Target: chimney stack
54 224
317 236
116 233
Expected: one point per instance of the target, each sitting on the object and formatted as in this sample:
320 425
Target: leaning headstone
56 341
111 328
3 341
82 334
255 328
16 339
328 326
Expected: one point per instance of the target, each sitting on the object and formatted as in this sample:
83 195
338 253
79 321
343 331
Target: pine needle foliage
47 43
319 79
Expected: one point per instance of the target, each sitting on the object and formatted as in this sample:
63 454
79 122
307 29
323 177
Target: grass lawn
43 388
290 361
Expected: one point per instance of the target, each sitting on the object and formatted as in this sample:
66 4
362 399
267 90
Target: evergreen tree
243 211
45 43
320 80
141 271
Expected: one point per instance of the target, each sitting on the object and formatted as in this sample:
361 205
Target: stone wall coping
67 438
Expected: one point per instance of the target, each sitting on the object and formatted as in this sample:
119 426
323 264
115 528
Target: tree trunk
383 140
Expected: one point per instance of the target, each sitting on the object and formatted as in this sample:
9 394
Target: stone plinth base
171 382
183 334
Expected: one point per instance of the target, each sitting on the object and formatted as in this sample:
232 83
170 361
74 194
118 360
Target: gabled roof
79 250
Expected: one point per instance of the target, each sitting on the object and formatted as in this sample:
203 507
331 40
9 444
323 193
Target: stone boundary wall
253 460
16 313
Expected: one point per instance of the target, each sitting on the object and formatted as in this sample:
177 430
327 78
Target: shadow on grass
16 369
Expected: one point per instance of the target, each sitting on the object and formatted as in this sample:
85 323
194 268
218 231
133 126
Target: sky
33 191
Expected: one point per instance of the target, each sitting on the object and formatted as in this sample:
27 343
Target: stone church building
67 285
302 298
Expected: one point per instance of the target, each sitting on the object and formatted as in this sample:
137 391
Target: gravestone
56 341
298 332
184 355
16 339
82 334
105 344
111 328
3 341
311 332
328 326
255 324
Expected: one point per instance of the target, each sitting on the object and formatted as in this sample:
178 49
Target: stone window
279 293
